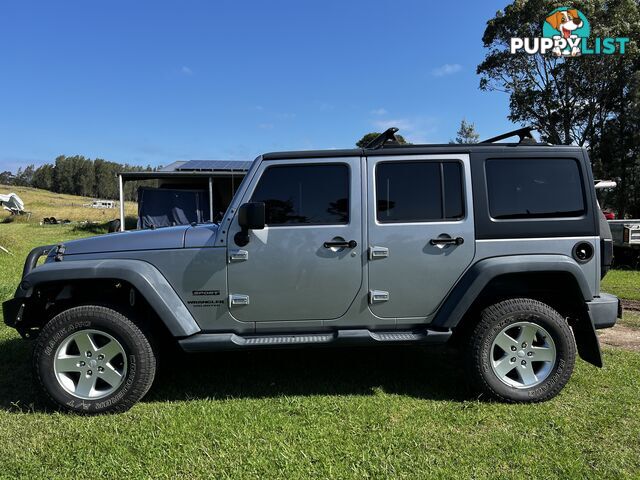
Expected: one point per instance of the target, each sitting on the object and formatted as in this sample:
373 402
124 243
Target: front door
421 236
288 271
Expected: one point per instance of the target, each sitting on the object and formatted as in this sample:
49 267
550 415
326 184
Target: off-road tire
493 320
140 356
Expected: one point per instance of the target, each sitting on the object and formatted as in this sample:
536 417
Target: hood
161 238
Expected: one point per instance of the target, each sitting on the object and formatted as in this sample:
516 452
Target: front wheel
522 350
92 359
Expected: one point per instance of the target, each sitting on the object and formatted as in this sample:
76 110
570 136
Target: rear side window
534 188
418 191
304 194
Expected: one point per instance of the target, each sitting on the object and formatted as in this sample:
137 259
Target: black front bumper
12 310
605 310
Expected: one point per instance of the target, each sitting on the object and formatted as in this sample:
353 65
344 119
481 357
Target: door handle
341 244
447 241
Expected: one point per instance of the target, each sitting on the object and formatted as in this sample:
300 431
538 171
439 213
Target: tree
617 153
366 139
466 133
7 178
567 99
590 100
43 177
24 177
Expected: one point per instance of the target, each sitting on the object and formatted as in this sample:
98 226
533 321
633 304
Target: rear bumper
605 310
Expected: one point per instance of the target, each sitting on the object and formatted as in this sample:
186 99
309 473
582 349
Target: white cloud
379 111
265 126
446 69
186 70
415 129
285 116
401 123
326 107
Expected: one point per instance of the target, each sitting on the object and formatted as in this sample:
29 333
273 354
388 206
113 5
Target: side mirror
251 216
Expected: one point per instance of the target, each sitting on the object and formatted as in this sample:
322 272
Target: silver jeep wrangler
498 245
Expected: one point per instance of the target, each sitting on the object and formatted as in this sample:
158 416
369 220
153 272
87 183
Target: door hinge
237 299
238 256
378 296
378 252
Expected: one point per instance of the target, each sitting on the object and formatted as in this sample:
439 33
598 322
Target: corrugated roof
213 165
172 166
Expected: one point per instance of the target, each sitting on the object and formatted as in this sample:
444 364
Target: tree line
77 175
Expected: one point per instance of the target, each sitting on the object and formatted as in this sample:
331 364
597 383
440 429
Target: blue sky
150 82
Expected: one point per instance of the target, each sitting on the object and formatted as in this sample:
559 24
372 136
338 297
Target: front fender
481 273
147 279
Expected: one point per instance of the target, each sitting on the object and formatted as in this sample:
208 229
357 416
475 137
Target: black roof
419 149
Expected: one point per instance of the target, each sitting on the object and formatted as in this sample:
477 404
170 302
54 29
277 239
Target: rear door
288 271
421 234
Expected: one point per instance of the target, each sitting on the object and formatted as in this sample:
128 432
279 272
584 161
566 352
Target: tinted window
304 194
418 191
534 188
453 198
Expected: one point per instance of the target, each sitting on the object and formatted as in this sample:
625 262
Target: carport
219 179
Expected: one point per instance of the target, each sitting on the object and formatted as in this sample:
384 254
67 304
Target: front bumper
605 310
12 310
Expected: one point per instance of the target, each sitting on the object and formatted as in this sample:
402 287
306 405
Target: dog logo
569 24
565 33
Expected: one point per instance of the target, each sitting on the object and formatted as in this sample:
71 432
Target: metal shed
218 177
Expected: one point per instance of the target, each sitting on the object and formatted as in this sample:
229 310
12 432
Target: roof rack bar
523 133
389 135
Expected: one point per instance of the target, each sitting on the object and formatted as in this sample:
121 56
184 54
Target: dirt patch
631 304
621 337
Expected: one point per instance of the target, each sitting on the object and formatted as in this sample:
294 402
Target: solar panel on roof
213 165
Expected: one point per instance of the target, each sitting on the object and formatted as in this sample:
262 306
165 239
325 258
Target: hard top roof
420 149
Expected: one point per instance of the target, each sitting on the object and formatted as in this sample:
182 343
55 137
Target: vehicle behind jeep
497 247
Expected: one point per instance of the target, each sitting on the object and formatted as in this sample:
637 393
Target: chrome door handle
341 244
447 241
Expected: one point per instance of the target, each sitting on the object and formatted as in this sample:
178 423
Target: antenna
388 136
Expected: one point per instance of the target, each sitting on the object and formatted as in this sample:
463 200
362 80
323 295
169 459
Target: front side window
419 191
304 194
534 188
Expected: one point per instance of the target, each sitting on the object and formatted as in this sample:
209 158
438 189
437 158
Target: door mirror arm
251 216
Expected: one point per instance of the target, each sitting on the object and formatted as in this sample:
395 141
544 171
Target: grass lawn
631 319
43 203
623 284
357 413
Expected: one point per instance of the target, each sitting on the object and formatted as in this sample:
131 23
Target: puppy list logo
565 32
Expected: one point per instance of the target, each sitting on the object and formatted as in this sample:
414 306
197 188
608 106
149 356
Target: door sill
211 342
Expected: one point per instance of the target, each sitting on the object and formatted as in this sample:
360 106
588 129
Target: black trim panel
489 228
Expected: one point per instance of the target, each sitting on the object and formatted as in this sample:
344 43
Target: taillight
606 256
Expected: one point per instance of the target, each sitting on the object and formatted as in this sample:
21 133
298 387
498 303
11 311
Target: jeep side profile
500 246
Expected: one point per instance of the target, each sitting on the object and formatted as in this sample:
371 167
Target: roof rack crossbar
389 135
523 133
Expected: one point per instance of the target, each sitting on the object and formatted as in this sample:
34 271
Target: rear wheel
92 359
522 350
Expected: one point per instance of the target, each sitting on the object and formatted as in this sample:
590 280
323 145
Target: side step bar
210 342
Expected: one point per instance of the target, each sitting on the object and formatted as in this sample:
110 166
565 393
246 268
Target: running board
208 342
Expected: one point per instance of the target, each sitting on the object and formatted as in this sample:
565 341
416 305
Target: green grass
359 413
623 284
631 319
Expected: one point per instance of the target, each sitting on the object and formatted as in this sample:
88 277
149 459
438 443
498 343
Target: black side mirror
251 216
